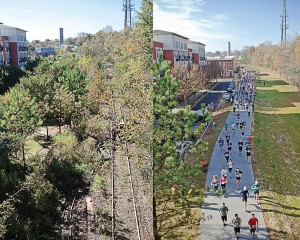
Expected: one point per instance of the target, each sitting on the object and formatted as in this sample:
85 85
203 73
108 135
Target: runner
227 136
238 175
243 133
226 154
240 146
248 153
249 112
255 187
225 126
223 212
233 128
221 143
237 123
241 125
253 225
244 196
223 181
230 166
215 182
237 221
233 109
229 146
224 172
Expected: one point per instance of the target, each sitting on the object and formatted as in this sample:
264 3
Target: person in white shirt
224 171
230 166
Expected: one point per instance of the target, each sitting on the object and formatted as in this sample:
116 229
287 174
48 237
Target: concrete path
213 228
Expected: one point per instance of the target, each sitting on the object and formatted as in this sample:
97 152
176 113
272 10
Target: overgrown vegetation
72 94
284 59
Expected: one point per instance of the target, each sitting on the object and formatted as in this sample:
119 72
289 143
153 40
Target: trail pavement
213 228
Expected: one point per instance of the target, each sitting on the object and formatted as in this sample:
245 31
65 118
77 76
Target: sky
216 22
43 18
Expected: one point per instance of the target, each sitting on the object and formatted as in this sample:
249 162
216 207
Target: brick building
13 49
177 49
173 46
197 52
227 64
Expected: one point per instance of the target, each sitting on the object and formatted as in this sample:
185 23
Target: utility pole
283 25
128 7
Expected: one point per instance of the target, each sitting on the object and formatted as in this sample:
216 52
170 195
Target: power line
283 25
128 7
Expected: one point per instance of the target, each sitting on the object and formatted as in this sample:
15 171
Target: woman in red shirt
223 182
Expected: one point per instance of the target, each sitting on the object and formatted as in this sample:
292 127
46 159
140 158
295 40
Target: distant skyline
42 19
215 22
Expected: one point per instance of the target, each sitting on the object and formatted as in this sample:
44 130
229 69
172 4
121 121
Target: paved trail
213 229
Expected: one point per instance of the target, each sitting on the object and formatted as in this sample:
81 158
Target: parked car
227 96
231 85
229 90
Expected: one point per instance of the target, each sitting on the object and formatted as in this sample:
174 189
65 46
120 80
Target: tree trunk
60 117
47 133
23 157
7 166
23 152
156 234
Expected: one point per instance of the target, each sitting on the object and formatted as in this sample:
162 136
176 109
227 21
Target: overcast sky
216 22
43 18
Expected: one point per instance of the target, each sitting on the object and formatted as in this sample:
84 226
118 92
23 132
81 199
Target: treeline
284 59
75 95
176 176
194 78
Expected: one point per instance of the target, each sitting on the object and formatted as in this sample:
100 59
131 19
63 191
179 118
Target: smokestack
61 36
229 51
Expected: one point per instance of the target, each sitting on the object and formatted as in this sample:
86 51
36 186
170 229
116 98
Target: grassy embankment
277 154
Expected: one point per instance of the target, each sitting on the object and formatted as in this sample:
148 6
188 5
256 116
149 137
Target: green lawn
277 154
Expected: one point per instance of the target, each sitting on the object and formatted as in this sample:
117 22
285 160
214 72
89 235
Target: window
230 63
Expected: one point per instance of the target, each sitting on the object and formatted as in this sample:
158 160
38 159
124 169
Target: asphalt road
215 95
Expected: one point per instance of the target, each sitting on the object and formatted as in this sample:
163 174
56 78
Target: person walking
237 222
230 166
256 187
223 212
233 110
253 225
215 183
244 196
238 176
221 143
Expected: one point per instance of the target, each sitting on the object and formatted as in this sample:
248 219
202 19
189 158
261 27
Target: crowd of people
242 100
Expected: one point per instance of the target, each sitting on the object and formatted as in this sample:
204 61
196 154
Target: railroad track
124 211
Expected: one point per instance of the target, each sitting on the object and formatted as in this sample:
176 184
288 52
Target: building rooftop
221 58
193 42
5 26
161 32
